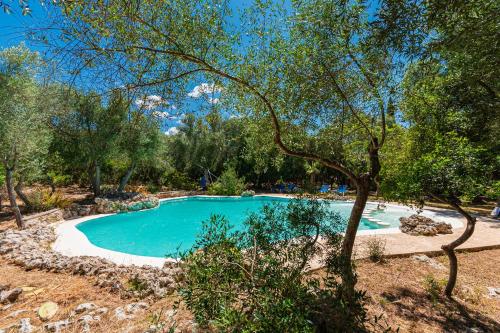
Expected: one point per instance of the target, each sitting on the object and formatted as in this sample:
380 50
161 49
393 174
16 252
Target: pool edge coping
72 242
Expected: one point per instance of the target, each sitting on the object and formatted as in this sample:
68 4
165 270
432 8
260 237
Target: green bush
256 280
227 184
179 181
60 180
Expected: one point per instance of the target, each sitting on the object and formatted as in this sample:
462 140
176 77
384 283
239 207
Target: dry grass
397 288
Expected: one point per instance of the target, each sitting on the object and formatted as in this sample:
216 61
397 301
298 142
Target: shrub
375 248
60 180
433 287
256 280
44 200
178 180
227 184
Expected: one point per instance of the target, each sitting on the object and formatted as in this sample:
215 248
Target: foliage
24 138
43 200
178 180
256 280
227 184
434 287
375 248
451 170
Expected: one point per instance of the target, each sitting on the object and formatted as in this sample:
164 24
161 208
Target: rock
132 308
57 326
87 320
84 307
420 225
100 311
25 326
433 263
4 287
120 314
493 292
47 310
10 296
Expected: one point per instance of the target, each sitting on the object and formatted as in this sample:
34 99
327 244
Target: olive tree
24 137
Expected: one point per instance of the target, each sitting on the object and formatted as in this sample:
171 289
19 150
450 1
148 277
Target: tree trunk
12 198
19 190
96 184
126 177
450 248
362 190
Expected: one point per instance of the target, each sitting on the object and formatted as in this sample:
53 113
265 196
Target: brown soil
396 289
399 289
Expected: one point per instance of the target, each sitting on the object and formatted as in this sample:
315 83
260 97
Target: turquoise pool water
176 223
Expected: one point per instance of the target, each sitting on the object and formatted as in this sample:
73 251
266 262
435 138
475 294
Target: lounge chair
342 189
325 188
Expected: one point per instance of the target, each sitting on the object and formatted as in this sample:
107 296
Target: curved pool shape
174 225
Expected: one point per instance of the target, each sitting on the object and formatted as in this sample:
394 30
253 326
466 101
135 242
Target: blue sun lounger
325 188
342 189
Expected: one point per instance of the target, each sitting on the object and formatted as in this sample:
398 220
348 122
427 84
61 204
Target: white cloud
204 88
150 102
213 100
172 131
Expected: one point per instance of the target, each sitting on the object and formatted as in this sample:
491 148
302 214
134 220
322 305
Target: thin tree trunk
126 177
12 198
97 180
450 248
348 276
19 190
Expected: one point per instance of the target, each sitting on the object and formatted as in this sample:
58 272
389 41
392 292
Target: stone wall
31 249
129 202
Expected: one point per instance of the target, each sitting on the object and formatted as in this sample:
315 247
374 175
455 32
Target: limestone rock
47 310
86 320
57 326
493 292
84 307
420 225
10 296
25 326
431 262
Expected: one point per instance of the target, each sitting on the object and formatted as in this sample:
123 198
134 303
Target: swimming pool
175 224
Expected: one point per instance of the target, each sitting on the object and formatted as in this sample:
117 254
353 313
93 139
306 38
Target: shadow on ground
449 315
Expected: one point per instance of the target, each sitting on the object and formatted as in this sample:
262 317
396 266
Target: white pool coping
72 242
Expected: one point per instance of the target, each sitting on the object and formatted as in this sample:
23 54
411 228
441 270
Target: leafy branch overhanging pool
175 224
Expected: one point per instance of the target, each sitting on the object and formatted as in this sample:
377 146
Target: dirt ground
397 289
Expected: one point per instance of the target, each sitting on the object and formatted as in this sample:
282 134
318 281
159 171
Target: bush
256 280
434 287
44 200
60 180
179 181
375 248
227 184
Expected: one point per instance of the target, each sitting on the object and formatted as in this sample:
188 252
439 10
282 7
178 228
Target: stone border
72 242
